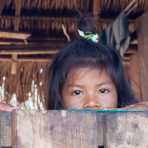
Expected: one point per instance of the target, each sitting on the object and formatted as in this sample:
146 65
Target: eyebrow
105 83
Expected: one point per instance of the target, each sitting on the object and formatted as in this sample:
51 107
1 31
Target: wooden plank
5 129
13 130
72 20
96 7
56 129
44 60
28 52
134 75
143 54
14 35
31 47
126 130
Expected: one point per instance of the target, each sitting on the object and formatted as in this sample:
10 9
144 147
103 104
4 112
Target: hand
6 107
141 105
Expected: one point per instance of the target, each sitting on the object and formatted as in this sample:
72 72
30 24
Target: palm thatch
29 15
21 82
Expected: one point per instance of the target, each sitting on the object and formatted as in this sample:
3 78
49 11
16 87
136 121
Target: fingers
6 107
141 105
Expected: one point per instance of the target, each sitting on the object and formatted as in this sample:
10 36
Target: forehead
90 75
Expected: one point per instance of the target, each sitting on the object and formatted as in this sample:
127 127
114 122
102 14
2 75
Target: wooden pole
143 54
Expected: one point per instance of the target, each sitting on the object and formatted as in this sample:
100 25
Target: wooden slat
13 130
14 35
5 129
143 54
72 20
126 130
27 60
59 129
134 75
96 7
33 52
76 129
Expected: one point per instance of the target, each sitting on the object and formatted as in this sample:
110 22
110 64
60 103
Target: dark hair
82 53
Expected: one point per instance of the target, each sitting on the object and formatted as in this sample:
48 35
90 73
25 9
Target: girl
86 74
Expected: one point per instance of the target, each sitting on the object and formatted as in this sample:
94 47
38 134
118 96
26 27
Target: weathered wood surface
54 129
82 129
58 130
5 129
134 75
143 54
126 130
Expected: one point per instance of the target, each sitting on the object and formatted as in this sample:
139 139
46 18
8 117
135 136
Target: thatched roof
47 16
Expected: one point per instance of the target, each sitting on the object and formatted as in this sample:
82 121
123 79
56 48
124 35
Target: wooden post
96 7
17 14
14 64
134 75
143 54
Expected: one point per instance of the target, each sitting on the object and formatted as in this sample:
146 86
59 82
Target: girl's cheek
74 103
108 101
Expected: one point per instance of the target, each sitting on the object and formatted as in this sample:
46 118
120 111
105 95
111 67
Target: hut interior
31 33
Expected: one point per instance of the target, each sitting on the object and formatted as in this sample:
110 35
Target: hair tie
89 36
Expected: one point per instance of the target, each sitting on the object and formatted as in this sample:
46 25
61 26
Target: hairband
89 36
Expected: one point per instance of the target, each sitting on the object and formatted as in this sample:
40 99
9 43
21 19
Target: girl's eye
76 92
104 91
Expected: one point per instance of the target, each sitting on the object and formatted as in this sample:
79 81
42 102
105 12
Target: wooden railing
74 129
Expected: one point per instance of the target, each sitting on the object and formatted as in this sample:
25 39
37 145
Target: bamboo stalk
14 35
40 60
8 52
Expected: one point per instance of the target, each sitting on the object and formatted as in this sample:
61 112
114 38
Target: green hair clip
89 36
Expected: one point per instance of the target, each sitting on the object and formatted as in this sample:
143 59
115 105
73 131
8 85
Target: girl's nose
91 103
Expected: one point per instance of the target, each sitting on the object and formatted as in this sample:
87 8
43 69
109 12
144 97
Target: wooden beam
46 60
143 54
96 7
39 48
14 35
29 52
134 75
72 20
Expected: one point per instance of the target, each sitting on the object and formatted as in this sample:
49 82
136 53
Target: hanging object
117 35
14 64
14 101
65 32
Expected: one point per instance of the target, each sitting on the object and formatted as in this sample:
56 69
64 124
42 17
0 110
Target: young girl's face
89 88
